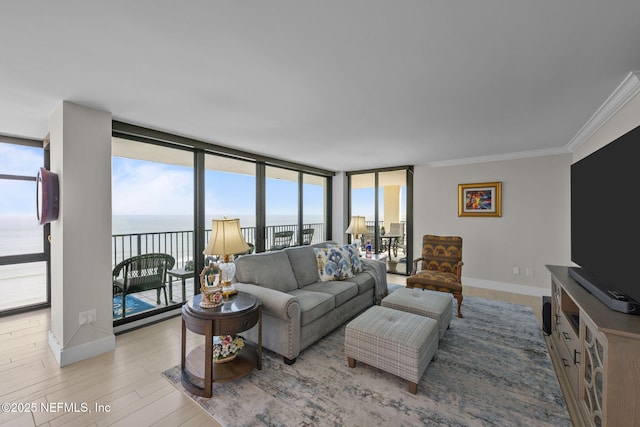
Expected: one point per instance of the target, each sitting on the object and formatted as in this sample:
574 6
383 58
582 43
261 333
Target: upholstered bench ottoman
435 305
397 342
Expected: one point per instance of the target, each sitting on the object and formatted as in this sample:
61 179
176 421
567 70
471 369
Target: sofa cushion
342 291
304 264
270 269
333 263
313 305
364 281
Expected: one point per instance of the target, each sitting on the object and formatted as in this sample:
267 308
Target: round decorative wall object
47 196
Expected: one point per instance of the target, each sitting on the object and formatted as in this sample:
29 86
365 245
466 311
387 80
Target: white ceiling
341 85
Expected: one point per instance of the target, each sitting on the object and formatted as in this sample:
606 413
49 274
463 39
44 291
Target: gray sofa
297 308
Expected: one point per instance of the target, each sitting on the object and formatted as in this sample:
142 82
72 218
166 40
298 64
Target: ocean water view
21 234
129 224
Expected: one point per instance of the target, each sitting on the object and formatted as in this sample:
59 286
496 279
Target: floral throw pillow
333 263
354 258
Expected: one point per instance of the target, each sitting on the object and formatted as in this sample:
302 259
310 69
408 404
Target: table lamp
357 227
226 240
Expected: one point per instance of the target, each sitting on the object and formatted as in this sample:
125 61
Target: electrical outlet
516 270
528 271
87 317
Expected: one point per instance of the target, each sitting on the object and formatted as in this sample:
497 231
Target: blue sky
169 189
19 198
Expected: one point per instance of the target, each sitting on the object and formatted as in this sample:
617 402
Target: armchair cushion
438 279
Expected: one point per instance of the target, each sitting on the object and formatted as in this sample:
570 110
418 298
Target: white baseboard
506 287
67 356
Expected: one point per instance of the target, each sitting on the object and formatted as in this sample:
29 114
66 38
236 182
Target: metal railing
179 244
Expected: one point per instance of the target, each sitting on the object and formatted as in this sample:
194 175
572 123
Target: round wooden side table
239 312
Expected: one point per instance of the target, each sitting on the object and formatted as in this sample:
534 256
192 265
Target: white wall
339 204
534 228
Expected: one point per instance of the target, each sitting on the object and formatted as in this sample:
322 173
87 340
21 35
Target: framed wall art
481 199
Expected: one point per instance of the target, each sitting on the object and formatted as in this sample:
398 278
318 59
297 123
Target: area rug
492 369
134 305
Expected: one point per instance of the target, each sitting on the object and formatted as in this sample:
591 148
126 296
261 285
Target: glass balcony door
152 212
384 198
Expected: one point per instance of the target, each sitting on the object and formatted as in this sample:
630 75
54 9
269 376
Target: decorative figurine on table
211 292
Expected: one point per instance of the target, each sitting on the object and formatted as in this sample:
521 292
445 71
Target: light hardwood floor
128 379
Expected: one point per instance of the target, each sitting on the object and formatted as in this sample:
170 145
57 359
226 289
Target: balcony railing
179 244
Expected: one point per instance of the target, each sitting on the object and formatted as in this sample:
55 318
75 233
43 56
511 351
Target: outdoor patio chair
142 273
281 240
397 229
307 236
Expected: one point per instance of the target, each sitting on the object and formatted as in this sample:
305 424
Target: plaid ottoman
397 342
433 304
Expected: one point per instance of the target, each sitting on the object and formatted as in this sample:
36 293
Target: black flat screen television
605 220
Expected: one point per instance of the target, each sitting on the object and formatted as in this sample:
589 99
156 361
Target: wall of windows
189 183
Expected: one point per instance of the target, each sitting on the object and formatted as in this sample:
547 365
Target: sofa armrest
278 304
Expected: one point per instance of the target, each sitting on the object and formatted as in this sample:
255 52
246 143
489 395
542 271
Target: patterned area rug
492 369
134 305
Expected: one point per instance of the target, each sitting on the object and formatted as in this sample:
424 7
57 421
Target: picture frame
480 199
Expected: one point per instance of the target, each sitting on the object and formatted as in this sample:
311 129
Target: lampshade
226 238
357 226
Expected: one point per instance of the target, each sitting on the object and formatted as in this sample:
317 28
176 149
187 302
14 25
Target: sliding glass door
152 212
384 198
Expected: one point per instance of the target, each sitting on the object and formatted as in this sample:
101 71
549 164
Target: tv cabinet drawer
568 359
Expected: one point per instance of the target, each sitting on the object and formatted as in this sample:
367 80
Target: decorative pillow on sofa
354 258
333 263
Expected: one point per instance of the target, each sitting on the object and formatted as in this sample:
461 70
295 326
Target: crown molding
629 88
499 157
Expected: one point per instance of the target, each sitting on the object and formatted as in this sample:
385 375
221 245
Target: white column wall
339 207
391 205
81 237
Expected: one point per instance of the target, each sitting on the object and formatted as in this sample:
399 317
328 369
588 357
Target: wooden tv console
596 355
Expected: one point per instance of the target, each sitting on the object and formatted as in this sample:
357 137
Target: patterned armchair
440 266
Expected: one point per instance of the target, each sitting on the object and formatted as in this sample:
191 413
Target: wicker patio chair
142 273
